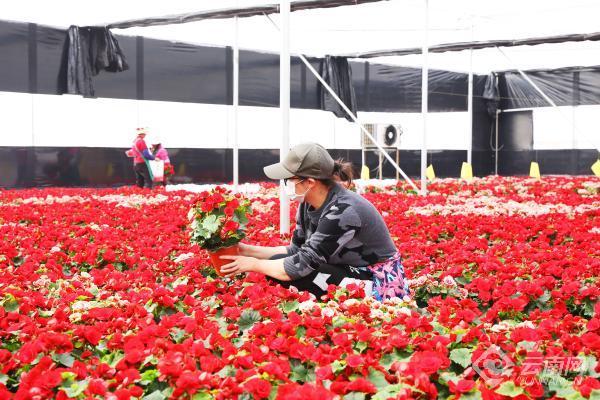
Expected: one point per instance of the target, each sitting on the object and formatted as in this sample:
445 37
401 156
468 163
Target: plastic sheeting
491 94
172 71
91 50
337 73
15 46
175 71
566 86
388 88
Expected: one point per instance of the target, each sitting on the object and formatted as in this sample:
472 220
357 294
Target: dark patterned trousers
317 281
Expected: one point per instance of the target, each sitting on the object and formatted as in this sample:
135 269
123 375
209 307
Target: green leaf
240 217
151 359
248 318
595 394
290 306
302 374
354 396
439 328
588 366
575 396
446 377
389 358
588 308
509 389
527 345
3 379
462 280
156 395
337 366
65 359
461 356
66 376
567 392
273 393
338 321
202 396
149 376
76 388
112 359
377 378
361 346
46 313
561 386
300 332
228 370
182 280
471 396
10 303
178 334
543 299
390 391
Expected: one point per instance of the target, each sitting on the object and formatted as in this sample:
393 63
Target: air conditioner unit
387 135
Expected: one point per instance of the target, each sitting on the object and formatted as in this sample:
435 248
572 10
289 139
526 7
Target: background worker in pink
160 153
140 153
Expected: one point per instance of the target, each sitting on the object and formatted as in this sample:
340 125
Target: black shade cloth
91 50
491 94
337 73
565 86
460 46
36 58
391 88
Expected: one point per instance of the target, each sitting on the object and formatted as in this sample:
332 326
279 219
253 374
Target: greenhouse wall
183 93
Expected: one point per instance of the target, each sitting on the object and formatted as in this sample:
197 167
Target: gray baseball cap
307 160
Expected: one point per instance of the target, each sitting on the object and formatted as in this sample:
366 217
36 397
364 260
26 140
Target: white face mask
290 191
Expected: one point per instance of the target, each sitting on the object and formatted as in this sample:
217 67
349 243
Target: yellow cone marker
466 171
430 173
596 168
534 170
364 173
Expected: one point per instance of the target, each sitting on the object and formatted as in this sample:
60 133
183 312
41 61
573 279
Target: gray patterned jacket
347 230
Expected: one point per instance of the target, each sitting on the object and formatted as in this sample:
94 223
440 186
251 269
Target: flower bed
102 296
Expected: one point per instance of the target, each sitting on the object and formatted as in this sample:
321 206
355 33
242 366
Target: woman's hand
238 265
245 249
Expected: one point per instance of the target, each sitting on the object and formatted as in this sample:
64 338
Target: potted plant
218 221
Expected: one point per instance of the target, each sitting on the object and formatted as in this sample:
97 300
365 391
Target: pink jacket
162 154
139 145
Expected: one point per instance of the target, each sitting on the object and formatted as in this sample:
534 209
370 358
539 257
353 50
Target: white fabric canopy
377 26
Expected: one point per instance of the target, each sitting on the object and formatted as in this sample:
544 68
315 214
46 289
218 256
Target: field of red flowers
102 296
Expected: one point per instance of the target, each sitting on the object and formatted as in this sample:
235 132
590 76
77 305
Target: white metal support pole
424 100
470 104
284 106
545 96
355 119
496 149
352 116
236 100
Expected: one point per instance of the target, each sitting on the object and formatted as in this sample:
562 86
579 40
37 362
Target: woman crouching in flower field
340 237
